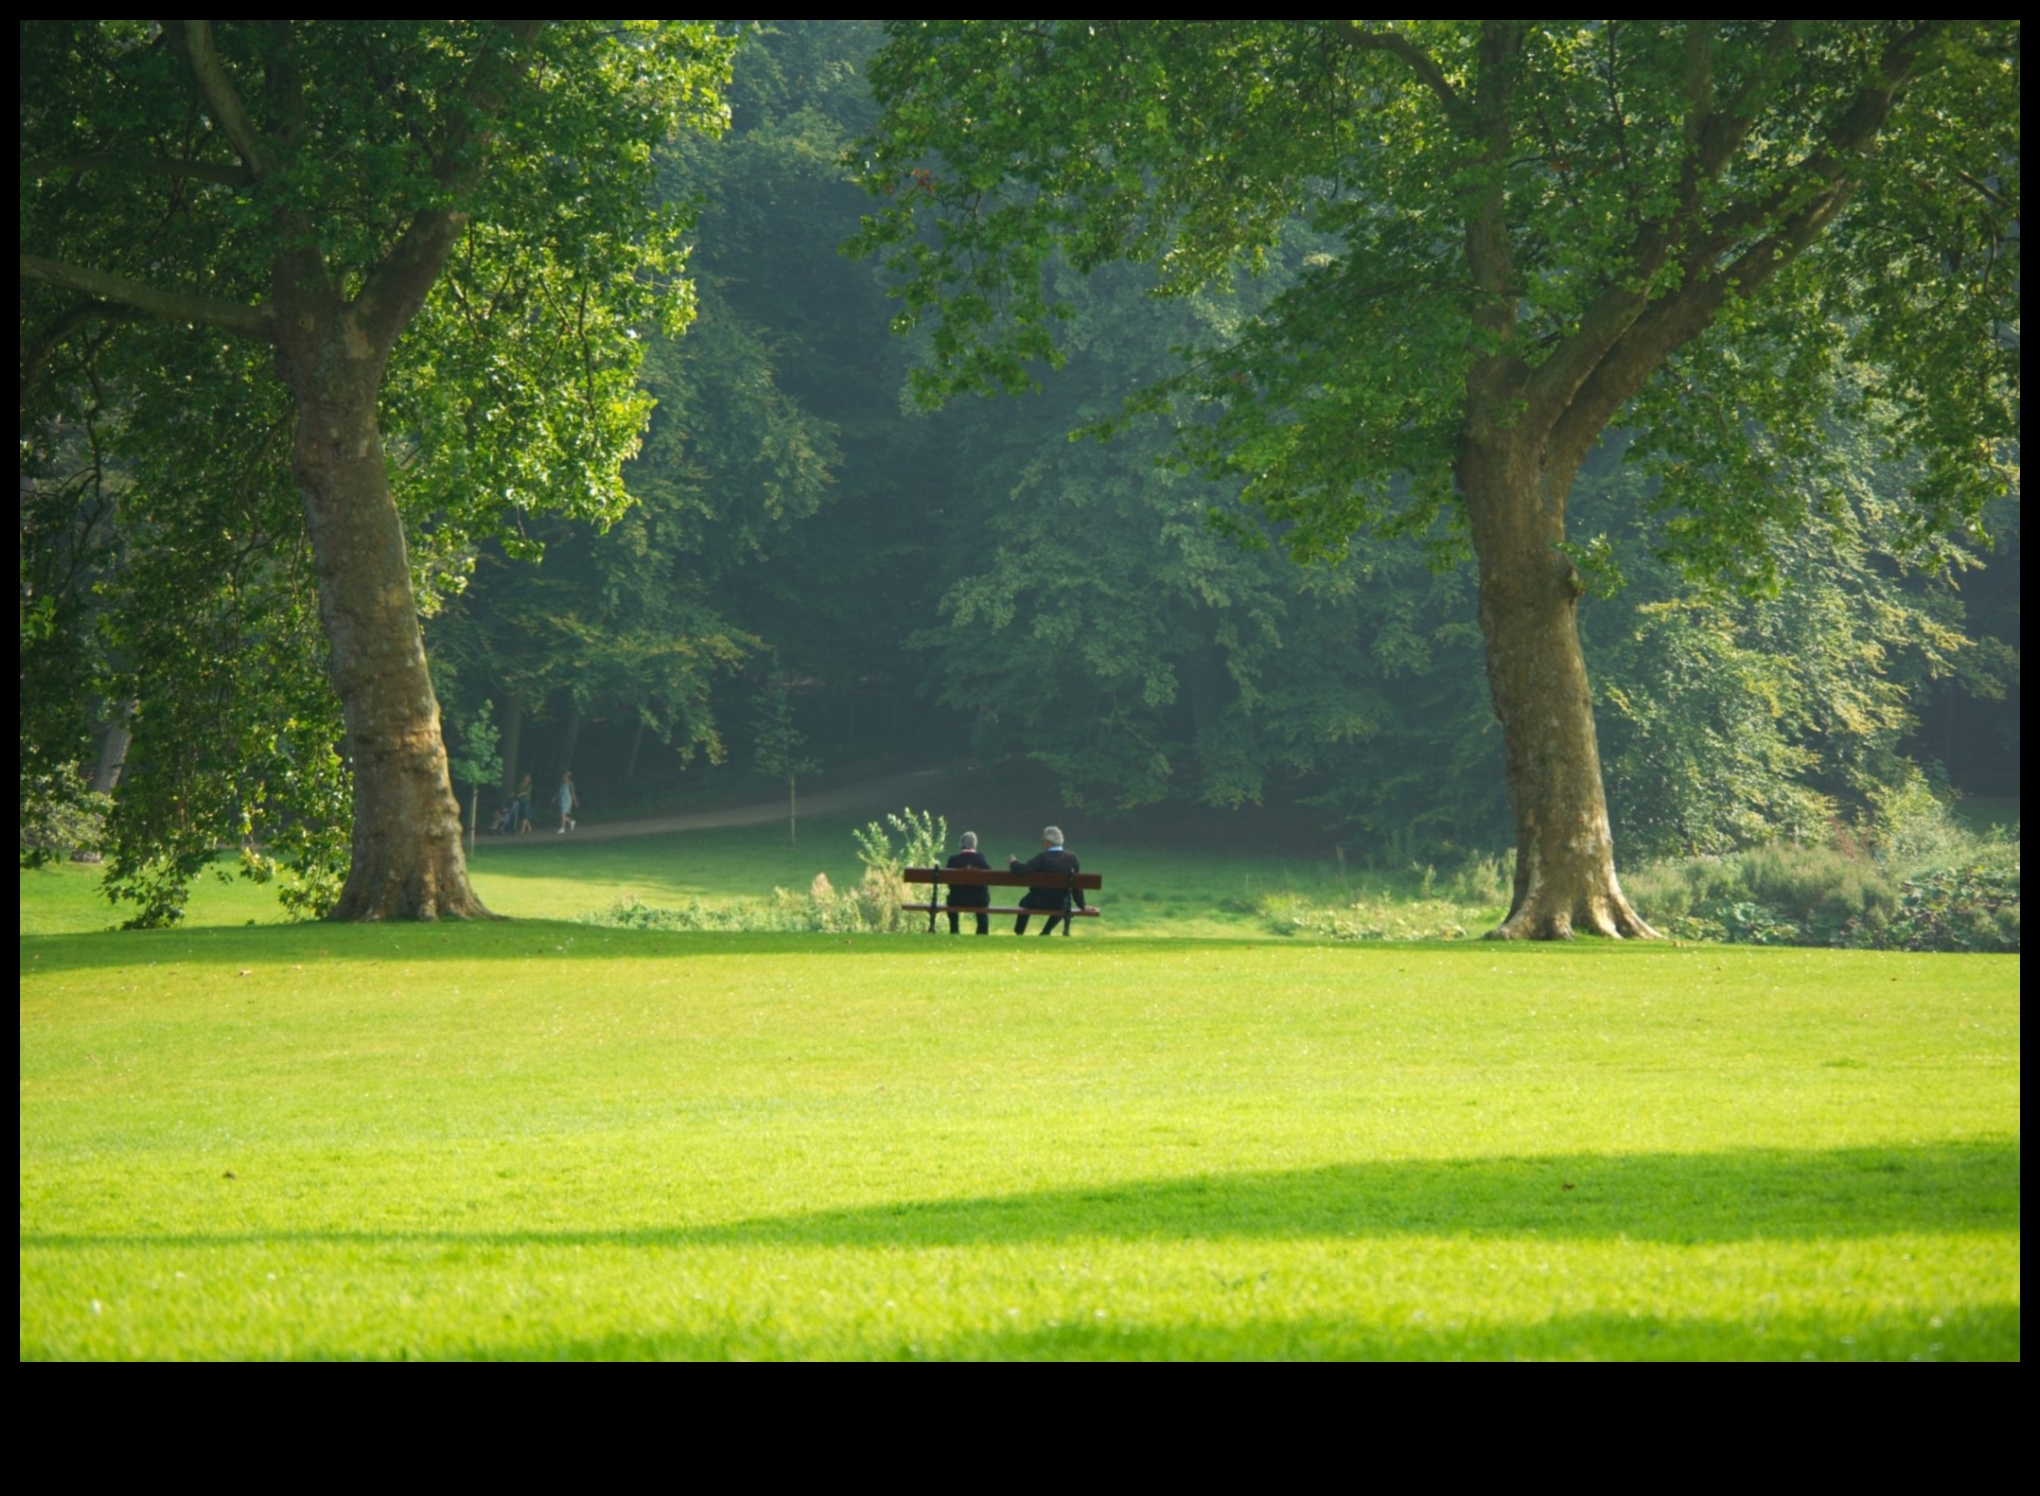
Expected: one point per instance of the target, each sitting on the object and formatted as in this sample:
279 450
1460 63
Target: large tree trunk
1529 593
407 834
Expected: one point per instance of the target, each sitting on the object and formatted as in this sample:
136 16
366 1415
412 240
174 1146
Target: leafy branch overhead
1566 206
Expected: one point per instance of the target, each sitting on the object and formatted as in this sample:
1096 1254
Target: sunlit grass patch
543 1139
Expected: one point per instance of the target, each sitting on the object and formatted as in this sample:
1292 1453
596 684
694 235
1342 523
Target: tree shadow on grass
1706 1197
1728 1196
1968 1332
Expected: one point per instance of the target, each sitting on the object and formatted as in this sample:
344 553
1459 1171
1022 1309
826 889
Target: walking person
570 801
969 856
1052 858
521 822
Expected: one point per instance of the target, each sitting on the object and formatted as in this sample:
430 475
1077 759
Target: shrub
1970 908
923 842
59 820
1486 878
1926 884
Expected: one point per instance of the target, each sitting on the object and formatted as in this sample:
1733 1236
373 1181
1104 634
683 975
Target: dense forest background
817 575
987 582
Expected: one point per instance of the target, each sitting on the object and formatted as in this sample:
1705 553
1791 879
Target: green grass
546 1139
1211 894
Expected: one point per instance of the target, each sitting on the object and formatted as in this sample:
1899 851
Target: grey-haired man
1052 858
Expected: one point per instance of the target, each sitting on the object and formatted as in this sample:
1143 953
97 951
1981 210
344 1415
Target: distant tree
476 762
779 746
442 236
1530 230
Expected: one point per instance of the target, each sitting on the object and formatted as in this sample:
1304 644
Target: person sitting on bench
969 898
1050 859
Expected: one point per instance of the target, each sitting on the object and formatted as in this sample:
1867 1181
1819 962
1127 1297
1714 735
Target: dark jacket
1053 860
968 898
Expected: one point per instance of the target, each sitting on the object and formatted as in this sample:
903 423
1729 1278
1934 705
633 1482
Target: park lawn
546 1140
547 876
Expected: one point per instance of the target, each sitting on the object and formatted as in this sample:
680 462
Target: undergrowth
872 906
1918 880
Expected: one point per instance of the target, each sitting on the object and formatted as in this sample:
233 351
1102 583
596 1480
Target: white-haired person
967 897
1052 858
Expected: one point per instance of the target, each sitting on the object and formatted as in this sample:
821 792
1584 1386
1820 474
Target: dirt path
872 796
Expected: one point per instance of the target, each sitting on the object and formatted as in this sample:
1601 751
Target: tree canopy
796 551
445 235
1722 234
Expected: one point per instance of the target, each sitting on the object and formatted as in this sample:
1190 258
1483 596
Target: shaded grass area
1147 892
552 1140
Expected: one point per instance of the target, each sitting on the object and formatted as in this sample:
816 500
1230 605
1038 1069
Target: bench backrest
977 877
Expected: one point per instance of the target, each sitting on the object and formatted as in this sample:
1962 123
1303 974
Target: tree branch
170 306
203 171
1660 331
1420 62
1712 139
400 284
398 287
219 94
38 347
1624 338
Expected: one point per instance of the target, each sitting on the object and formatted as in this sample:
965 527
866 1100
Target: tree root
428 894
1605 912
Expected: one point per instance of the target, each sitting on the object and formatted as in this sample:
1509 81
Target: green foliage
1623 166
1968 908
777 743
476 761
515 391
66 546
190 599
1730 719
637 611
1925 884
513 394
870 907
59 820
1495 240
1070 605
1098 626
913 838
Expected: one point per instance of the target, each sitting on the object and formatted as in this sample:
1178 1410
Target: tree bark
1537 677
114 739
407 856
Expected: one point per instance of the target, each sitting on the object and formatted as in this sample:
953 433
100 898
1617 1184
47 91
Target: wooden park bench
1066 884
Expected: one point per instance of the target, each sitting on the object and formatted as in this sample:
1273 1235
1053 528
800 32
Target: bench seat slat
971 877
1088 911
